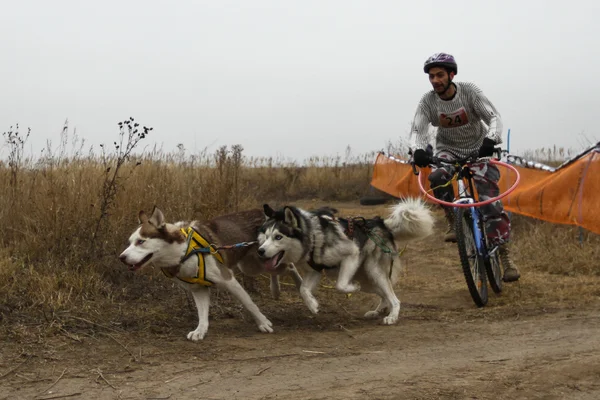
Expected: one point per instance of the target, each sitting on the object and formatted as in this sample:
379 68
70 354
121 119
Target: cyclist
467 125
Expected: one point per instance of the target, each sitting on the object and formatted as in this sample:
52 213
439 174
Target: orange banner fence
568 195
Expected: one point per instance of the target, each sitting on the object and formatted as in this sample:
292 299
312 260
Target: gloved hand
487 148
421 158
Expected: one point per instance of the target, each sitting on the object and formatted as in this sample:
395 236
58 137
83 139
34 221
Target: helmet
441 60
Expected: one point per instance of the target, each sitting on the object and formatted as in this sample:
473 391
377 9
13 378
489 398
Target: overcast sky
292 78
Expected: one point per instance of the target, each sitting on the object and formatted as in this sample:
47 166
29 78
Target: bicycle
479 258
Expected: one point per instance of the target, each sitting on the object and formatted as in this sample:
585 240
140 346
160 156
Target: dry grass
556 249
67 214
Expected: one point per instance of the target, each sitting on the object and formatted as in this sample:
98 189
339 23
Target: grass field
67 214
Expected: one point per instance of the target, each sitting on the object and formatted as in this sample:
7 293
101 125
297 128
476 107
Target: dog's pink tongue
271 263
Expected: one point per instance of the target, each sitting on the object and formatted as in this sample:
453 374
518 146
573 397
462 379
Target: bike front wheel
473 264
494 271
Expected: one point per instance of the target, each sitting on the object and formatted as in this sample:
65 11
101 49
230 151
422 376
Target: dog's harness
350 225
311 258
197 245
318 267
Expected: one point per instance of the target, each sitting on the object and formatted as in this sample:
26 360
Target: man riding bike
468 125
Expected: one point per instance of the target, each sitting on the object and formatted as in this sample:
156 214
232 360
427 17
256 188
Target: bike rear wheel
472 263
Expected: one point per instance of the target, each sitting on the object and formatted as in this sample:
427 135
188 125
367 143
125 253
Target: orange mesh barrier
571 195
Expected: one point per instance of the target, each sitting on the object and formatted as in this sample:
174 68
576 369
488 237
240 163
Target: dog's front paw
371 315
349 288
265 326
313 305
390 320
197 335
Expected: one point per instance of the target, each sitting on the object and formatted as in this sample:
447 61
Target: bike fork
479 240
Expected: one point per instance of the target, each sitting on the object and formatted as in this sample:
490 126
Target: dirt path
443 347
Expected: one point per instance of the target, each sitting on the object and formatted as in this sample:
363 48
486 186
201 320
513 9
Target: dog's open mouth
139 265
272 263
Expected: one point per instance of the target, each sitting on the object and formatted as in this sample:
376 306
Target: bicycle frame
465 197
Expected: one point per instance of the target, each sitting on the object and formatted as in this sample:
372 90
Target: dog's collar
199 246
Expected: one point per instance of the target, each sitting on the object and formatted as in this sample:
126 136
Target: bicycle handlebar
461 161
437 161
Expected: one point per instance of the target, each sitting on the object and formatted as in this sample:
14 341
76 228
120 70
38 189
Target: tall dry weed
69 210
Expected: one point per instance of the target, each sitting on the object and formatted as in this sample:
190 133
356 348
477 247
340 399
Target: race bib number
452 120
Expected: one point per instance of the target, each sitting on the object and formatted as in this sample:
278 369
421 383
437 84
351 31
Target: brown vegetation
67 214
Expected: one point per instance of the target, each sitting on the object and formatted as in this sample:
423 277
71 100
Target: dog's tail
410 219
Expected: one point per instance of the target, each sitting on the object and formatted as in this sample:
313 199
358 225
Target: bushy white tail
410 219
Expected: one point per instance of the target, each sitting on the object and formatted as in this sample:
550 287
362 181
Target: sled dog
198 255
365 250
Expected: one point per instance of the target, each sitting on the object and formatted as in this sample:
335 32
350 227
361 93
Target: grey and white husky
188 253
362 249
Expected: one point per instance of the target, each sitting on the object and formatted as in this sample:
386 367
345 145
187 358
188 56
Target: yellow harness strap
197 245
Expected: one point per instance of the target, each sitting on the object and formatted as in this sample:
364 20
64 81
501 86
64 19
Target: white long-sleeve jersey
459 121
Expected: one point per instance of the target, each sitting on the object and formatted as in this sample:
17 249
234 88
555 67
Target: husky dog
359 248
188 253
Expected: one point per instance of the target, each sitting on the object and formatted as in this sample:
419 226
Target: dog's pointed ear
290 218
142 217
269 212
157 219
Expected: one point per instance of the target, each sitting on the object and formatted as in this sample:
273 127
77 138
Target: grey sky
292 78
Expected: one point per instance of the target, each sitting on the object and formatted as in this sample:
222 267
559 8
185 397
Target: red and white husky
187 253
